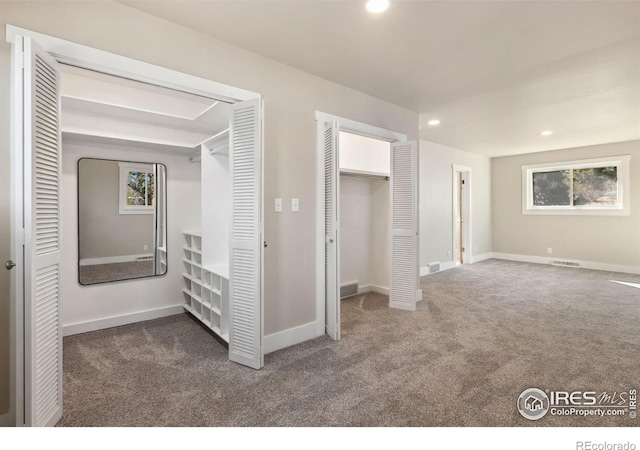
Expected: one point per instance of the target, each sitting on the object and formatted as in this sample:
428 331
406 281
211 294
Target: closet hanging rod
364 174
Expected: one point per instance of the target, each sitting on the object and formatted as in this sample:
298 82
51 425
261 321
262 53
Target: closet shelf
193 263
222 270
364 174
207 287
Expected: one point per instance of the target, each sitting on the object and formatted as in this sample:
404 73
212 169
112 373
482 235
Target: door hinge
463 249
462 181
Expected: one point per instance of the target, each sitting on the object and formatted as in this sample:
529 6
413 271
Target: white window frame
125 168
621 209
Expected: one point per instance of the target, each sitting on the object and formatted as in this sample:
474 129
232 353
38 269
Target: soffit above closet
104 109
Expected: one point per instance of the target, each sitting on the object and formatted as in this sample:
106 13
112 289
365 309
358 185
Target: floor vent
434 267
144 258
558 262
347 290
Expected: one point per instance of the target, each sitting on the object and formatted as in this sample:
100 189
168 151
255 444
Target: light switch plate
295 204
278 205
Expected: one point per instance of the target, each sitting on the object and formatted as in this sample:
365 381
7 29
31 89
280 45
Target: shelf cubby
206 287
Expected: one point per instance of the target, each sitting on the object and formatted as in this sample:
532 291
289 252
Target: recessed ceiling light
434 122
546 133
377 6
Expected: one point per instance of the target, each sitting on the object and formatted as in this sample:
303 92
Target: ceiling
495 73
104 109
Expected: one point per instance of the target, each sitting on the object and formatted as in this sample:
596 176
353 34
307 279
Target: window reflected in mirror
121 220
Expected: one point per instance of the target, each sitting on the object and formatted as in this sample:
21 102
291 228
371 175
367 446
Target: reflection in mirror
122 217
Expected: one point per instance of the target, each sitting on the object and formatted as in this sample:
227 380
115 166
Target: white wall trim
362 129
467 231
113 64
292 336
112 259
593 265
482 257
116 321
373 288
5 420
424 270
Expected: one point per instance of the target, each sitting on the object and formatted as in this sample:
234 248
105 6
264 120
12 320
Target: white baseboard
116 321
482 257
6 420
373 288
443 266
112 259
292 336
583 264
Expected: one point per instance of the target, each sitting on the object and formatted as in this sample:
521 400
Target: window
594 186
137 188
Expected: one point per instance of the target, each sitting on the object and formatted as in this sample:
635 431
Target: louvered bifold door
43 336
245 257
331 225
404 242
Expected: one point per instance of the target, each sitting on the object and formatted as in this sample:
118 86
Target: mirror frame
155 229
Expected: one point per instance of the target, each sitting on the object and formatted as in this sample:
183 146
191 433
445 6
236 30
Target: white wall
380 234
216 206
436 203
83 304
364 154
601 239
355 230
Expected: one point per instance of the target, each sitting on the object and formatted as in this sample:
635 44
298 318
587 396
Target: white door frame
98 60
349 126
466 213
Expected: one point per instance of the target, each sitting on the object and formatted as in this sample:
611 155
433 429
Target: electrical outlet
549 250
295 205
278 205
449 254
146 247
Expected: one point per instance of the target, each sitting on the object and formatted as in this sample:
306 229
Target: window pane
552 188
136 188
150 189
595 187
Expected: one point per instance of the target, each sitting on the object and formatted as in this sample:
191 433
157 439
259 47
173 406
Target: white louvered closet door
42 242
404 242
331 222
245 257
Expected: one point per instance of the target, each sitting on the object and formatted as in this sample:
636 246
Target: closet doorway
393 169
461 214
38 222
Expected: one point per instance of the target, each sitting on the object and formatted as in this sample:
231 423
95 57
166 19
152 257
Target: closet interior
139 149
365 215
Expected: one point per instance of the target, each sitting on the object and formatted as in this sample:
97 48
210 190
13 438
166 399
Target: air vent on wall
434 267
144 258
349 289
558 262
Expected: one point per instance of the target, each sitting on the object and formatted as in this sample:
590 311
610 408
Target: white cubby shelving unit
206 291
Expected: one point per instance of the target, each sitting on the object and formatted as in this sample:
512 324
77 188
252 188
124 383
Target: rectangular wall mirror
122 220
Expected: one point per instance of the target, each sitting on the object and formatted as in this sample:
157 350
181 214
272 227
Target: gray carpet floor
482 334
102 273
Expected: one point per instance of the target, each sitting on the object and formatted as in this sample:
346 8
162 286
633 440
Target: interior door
331 230
404 240
40 136
246 243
